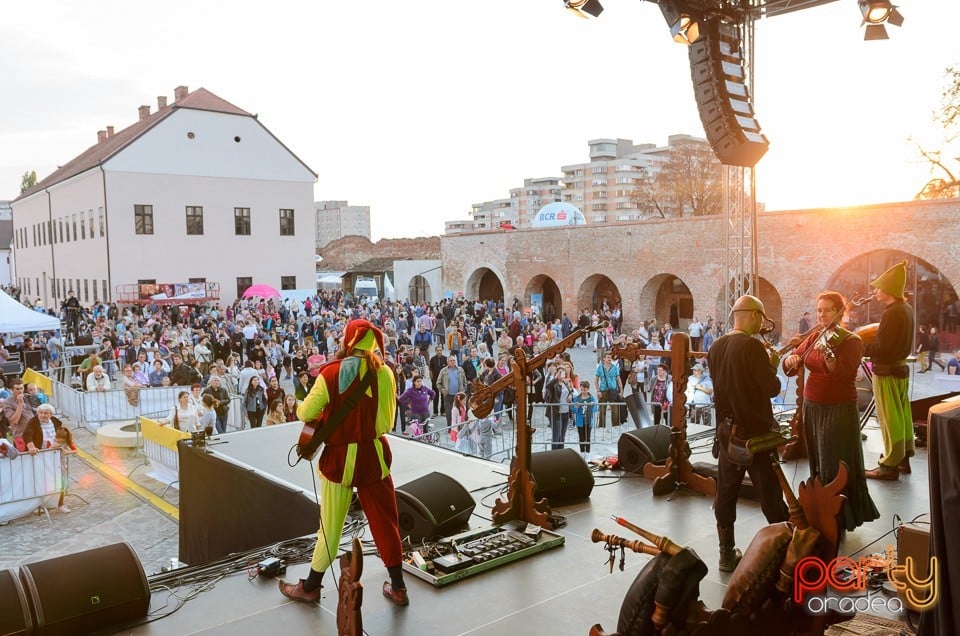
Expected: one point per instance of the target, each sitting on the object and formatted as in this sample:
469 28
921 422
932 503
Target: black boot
729 554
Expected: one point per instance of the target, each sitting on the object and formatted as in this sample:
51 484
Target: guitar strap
349 403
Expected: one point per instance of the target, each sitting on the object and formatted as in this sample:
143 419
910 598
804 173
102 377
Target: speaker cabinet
914 542
434 505
723 100
87 591
649 444
560 476
14 609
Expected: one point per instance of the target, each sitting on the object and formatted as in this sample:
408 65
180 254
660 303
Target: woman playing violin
831 422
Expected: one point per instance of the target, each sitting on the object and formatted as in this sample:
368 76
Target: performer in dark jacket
891 383
744 381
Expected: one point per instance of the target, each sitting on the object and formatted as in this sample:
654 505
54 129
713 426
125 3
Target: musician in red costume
356 455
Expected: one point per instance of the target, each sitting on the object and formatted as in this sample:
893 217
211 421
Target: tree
944 180
689 183
28 180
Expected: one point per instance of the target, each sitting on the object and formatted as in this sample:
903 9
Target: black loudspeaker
14 609
87 591
716 66
560 476
649 444
434 505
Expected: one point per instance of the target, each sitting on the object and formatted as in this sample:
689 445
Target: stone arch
419 290
597 289
929 291
669 299
544 285
772 305
484 283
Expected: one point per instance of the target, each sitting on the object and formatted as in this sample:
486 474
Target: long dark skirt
833 435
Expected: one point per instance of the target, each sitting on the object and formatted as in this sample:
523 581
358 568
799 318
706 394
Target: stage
563 590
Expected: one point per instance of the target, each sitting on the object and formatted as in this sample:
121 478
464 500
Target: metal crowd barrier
32 483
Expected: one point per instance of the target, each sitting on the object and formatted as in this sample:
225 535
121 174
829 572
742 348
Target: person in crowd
558 395
357 455
276 415
158 374
831 421
249 371
609 389
196 397
923 349
953 365
464 431
435 365
139 375
274 390
302 385
44 432
98 380
290 405
221 402
891 375
183 415
86 367
416 400
255 402
207 414
933 355
131 386
700 396
450 381
744 379
584 408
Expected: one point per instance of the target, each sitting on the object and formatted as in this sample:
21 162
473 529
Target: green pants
896 421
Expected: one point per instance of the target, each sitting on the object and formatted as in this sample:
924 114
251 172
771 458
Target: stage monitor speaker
723 100
649 444
914 541
87 591
434 505
14 609
560 476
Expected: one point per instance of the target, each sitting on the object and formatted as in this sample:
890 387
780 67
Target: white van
366 287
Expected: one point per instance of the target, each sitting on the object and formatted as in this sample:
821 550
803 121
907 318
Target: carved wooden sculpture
349 617
520 502
678 471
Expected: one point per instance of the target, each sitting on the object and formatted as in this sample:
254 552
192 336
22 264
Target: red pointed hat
362 334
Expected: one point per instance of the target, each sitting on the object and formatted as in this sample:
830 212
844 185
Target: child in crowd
584 407
63 439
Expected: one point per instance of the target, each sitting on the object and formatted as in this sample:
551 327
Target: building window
86 290
61 230
143 219
194 220
83 227
103 227
243 283
43 228
197 280
286 222
90 214
106 297
288 282
241 221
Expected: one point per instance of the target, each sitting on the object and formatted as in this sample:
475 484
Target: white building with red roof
196 191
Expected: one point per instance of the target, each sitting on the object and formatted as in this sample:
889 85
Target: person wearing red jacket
355 455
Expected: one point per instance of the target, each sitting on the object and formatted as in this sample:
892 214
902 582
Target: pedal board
479 550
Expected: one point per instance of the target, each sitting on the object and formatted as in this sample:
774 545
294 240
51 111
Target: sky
422 109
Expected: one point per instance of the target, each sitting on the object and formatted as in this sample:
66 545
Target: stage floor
564 590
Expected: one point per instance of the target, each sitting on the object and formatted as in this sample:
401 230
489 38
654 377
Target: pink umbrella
261 291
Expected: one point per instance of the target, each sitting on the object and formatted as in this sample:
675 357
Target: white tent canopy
15 318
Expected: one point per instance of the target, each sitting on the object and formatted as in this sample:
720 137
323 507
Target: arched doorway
544 289
927 289
419 290
596 291
674 302
772 305
484 284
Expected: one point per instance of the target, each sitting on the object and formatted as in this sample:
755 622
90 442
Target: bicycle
420 432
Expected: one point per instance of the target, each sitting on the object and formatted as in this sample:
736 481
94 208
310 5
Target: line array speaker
87 591
434 505
719 84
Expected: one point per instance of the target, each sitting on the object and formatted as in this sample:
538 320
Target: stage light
579 7
682 20
876 13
